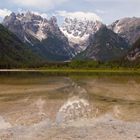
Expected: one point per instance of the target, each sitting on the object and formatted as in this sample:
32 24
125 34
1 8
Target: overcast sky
105 10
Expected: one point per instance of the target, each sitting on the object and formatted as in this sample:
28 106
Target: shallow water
39 106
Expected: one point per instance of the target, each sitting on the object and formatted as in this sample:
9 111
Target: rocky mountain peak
13 15
53 20
29 23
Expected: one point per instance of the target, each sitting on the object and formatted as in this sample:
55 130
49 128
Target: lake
44 106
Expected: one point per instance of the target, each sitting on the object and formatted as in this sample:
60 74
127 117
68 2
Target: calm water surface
40 106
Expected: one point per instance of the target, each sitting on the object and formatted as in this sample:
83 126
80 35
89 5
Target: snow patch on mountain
40 34
27 40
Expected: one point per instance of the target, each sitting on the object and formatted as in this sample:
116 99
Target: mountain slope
14 53
78 30
134 53
128 28
105 45
42 35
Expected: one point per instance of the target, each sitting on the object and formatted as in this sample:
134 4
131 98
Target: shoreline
119 71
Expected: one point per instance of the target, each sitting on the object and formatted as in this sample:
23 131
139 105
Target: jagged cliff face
128 28
105 45
78 30
42 34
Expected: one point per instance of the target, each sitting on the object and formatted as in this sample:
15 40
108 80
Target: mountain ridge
75 37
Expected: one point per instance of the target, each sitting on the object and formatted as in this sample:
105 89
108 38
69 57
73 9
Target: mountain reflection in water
33 107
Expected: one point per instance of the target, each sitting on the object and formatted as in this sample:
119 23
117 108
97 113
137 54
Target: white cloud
49 4
80 15
107 0
44 15
131 1
100 11
4 12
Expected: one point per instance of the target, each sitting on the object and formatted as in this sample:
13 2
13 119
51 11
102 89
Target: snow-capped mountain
78 30
43 35
128 28
85 37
